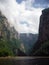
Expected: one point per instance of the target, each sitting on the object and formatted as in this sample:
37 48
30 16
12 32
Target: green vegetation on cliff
43 50
8 42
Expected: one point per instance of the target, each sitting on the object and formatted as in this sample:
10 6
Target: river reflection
24 61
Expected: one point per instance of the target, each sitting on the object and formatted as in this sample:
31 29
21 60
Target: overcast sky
23 14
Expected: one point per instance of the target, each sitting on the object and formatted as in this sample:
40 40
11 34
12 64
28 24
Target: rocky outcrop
28 40
20 53
43 29
44 26
5 29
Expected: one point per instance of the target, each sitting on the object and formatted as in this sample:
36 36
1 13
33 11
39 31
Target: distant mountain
28 39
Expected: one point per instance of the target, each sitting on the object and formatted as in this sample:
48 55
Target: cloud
20 12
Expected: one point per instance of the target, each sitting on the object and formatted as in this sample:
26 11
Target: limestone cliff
44 26
5 29
9 41
43 31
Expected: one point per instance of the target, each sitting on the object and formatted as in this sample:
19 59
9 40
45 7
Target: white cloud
24 11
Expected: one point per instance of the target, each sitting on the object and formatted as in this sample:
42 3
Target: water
24 61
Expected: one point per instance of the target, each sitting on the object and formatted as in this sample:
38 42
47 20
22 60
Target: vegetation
8 42
7 47
43 50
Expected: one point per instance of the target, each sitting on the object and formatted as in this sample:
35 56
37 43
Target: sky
24 15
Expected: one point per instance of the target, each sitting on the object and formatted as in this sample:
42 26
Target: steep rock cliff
43 33
5 29
9 41
44 26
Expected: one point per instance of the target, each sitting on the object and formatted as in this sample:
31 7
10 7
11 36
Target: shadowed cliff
41 47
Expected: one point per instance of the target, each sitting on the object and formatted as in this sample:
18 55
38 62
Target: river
24 61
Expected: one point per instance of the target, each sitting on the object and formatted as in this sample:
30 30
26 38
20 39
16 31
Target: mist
21 12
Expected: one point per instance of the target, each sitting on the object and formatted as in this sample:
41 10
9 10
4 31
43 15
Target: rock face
9 41
43 29
44 26
28 39
20 53
5 29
